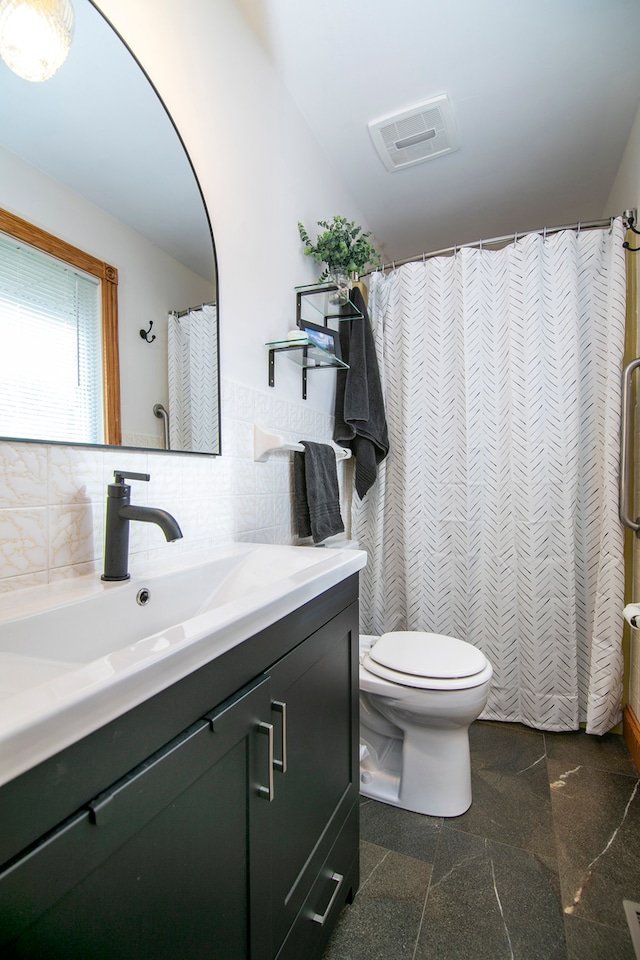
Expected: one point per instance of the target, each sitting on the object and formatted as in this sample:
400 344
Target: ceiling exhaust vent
421 133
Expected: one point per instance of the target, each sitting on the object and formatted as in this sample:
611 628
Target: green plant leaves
342 246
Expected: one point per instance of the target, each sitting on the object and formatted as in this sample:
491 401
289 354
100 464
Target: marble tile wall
52 497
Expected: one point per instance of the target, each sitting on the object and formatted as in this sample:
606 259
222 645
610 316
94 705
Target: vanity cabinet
235 838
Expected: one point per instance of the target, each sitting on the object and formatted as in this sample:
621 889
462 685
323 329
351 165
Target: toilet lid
427 655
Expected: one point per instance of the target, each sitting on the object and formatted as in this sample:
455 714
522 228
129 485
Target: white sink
76 654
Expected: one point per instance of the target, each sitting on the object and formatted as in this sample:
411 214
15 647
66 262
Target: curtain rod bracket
629 216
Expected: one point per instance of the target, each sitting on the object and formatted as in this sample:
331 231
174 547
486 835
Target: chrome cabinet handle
267 792
626 463
280 707
321 918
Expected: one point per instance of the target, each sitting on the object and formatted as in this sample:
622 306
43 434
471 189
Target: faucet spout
163 518
119 514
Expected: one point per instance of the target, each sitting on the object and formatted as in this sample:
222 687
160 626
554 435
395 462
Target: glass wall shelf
317 303
307 355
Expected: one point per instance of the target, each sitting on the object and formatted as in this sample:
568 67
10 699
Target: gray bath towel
316 492
360 421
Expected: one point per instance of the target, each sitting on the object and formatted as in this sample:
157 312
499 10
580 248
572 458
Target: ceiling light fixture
35 36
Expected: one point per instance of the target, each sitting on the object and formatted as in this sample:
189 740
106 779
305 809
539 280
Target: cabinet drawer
336 883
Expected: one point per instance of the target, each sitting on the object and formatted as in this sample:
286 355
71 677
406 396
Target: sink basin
76 654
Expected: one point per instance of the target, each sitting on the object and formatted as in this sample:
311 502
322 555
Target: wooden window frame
108 276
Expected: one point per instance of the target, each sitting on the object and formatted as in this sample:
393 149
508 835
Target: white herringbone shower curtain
193 380
495 515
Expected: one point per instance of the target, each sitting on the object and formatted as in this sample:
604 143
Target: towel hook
145 333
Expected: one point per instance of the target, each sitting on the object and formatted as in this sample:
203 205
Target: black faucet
119 512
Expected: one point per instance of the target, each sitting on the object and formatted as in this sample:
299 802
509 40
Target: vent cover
420 133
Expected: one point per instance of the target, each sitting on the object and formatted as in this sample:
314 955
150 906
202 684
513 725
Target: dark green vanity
218 819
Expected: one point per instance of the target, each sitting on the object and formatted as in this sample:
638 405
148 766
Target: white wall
261 171
260 168
625 192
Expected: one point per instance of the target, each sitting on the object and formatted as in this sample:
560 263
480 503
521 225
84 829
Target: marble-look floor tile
608 752
383 921
549 849
410 834
593 941
597 819
507 746
370 857
488 901
510 788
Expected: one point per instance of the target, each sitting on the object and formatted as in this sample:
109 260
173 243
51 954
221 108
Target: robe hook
145 333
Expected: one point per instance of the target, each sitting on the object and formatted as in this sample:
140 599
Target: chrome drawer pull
267 792
281 708
321 918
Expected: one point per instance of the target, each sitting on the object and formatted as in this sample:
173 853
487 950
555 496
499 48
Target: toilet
419 693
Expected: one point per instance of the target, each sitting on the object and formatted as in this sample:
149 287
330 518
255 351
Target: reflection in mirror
59 331
92 158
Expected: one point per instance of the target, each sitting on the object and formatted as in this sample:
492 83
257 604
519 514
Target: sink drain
143 596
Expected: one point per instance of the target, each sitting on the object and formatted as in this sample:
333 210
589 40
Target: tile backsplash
52 497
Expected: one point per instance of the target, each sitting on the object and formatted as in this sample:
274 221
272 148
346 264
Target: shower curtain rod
628 217
183 313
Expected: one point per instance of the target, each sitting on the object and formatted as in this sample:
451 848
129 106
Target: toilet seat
428 661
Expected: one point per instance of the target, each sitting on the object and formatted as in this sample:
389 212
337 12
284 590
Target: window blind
50 348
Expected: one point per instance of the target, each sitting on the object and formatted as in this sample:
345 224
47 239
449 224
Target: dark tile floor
537 868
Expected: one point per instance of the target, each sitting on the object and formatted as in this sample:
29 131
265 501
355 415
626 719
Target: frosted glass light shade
35 36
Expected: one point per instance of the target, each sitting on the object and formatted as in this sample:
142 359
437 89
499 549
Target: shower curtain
494 518
193 380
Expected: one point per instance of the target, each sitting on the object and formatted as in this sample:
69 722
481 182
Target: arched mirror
91 159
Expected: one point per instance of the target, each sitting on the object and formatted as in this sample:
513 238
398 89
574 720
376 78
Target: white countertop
76 654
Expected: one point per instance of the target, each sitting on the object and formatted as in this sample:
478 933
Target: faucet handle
120 476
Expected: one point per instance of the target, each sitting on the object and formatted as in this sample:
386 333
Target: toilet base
440 788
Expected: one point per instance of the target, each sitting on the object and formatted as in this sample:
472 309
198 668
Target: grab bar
159 411
626 462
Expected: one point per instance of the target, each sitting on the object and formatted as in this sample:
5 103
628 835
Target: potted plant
345 250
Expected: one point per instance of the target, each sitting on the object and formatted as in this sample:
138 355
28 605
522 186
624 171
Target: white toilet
419 693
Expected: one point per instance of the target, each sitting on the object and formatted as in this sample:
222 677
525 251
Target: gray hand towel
360 420
316 492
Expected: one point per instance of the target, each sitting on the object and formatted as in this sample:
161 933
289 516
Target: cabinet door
160 865
317 684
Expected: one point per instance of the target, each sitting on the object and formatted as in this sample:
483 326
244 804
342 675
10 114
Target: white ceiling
544 94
